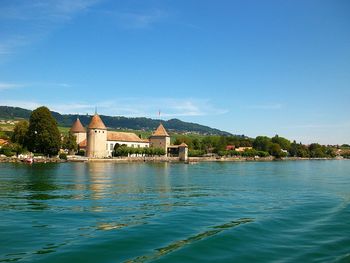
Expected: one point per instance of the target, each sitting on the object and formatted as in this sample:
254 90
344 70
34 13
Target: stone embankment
155 159
14 159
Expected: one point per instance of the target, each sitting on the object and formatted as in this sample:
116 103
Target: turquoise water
209 212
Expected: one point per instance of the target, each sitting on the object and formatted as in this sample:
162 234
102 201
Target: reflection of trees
32 183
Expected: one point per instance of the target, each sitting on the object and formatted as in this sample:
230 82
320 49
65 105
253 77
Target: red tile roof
160 131
97 123
83 144
77 127
124 137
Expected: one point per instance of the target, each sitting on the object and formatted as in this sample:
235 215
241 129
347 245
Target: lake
290 211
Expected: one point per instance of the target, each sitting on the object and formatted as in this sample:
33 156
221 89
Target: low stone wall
36 160
155 159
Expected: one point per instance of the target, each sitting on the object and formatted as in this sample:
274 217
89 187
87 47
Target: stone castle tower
160 138
96 138
78 131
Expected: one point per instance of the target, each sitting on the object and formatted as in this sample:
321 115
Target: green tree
185 139
262 143
293 151
282 142
275 150
70 142
20 132
11 149
43 135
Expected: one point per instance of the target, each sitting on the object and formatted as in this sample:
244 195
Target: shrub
81 153
6 150
12 149
262 154
195 153
250 153
63 156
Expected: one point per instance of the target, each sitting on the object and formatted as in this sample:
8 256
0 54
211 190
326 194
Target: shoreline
161 159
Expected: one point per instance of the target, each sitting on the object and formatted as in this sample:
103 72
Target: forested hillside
115 122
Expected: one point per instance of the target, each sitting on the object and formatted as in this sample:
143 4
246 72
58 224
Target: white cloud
13 85
141 20
319 126
131 107
4 85
20 103
135 20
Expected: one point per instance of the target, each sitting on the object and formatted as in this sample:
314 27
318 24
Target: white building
98 142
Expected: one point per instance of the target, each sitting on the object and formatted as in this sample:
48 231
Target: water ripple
159 252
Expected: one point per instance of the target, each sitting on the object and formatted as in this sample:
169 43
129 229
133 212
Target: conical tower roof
97 123
77 127
160 131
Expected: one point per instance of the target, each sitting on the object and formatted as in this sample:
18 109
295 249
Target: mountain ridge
117 122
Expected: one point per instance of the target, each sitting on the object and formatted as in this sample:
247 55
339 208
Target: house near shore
243 149
3 142
98 142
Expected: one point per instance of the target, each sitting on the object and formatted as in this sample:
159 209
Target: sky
248 67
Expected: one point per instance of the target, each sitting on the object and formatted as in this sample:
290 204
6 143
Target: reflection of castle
99 143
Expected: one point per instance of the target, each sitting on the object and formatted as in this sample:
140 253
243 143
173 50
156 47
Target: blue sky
247 67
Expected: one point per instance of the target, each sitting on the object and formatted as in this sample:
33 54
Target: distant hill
116 122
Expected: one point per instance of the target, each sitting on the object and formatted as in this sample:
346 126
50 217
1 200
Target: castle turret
183 152
160 138
96 138
78 131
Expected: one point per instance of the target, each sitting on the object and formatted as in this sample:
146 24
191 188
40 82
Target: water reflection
142 212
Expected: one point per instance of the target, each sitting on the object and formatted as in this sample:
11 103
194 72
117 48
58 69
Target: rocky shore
14 159
4 159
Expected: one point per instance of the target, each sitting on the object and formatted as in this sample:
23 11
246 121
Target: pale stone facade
78 131
159 142
96 138
124 138
100 143
183 152
81 136
111 145
160 138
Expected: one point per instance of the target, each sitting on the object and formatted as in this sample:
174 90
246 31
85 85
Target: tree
43 135
275 150
11 149
262 143
283 142
20 132
70 142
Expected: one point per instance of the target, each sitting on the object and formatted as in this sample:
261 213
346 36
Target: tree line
138 123
41 136
262 146
123 150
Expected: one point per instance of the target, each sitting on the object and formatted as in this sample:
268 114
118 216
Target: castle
98 142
